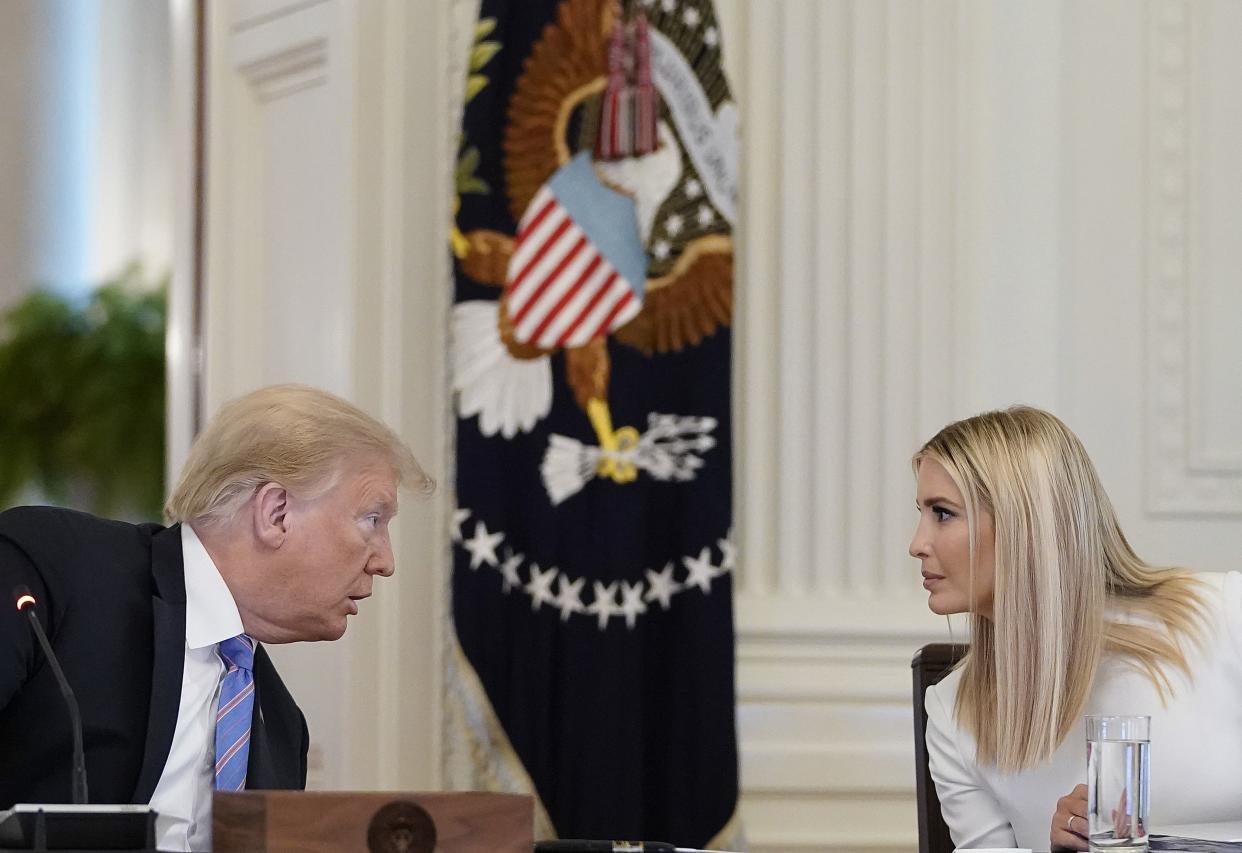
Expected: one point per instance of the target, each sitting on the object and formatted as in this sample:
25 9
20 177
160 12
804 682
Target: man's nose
382 563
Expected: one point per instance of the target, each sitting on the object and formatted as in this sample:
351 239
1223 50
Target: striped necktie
235 710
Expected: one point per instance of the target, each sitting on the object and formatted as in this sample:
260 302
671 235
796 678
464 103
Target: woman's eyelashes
939 511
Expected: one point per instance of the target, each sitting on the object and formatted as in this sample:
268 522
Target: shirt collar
210 611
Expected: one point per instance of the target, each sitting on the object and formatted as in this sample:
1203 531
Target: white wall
947 206
951 207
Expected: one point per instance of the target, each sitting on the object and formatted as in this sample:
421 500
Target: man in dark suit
281 523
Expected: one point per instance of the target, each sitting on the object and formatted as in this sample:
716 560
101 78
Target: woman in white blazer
1066 620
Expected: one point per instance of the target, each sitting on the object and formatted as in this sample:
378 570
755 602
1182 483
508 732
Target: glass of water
1118 782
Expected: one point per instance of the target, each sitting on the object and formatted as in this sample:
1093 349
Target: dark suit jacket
112 601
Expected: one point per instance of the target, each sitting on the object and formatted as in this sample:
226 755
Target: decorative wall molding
1215 179
826 756
183 349
846 274
286 53
1179 481
832 618
845 280
292 71
245 14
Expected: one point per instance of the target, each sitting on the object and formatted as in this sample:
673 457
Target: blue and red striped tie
234 713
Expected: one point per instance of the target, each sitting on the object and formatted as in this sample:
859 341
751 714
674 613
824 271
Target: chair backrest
930 664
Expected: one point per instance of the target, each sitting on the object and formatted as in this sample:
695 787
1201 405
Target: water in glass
1118 776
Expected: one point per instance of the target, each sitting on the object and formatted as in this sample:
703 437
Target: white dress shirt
183 795
1196 743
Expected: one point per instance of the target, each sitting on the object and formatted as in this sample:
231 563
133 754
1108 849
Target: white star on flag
673 224
701 570
509 569
604 606
482 546
540 587
661 249
569 599
459 516
728 552
705 215
711 37
691 17
663 587
632 602
668 5
693 188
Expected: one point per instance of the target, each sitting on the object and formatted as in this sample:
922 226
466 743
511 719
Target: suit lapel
259 773
168 606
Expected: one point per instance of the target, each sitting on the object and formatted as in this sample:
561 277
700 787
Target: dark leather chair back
931 663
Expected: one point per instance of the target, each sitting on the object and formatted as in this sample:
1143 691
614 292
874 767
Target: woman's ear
271 514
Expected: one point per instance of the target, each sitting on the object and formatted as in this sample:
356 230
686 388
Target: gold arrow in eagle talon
612 443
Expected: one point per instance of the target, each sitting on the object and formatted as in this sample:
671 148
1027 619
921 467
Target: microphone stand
79 826
588 845
75 717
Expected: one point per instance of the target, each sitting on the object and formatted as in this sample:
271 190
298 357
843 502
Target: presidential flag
592 533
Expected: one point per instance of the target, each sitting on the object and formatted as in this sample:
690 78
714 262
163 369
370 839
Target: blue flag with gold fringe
593 549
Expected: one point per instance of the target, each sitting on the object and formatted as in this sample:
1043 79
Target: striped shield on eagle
578 267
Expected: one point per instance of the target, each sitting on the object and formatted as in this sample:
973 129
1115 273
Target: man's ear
271 514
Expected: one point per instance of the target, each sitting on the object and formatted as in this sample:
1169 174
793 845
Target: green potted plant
82 398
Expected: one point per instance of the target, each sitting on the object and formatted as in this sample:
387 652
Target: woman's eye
942 514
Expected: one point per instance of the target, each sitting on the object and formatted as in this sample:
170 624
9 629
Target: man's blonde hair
295 435
1063 569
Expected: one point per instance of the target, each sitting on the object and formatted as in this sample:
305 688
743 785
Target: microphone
26 601
586 845
583 845
35 826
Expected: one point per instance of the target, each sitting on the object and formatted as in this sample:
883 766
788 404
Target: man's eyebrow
381 502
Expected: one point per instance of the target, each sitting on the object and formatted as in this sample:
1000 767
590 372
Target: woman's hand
1069 821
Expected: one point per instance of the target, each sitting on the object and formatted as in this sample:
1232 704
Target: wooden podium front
375 822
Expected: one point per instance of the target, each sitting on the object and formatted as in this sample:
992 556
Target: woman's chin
942 606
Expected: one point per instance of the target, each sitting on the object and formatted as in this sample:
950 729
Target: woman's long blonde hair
1061 563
